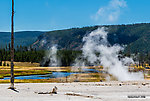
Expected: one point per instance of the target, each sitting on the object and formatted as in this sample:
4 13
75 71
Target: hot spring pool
52 75
46 76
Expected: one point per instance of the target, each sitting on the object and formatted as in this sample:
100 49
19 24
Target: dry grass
21 64
23 69
83 77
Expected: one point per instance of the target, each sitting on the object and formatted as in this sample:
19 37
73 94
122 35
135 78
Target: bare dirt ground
77 91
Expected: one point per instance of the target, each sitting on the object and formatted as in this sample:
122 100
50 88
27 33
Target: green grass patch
6 73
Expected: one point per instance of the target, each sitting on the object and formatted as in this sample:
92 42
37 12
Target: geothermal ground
91 91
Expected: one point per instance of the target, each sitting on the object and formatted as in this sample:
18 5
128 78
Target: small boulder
54 91
120 84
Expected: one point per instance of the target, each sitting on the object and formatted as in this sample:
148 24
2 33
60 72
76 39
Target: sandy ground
91 91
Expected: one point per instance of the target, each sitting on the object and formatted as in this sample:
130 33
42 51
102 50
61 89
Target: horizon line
76 27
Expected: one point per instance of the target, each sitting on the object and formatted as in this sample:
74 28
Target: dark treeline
25 54
22 54
66 57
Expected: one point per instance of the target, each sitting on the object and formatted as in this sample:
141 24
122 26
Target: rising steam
107 56
51 57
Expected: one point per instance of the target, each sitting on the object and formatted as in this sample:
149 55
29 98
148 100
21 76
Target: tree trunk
12 47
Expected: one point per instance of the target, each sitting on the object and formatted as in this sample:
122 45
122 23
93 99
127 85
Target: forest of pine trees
21 54
67 57
25 54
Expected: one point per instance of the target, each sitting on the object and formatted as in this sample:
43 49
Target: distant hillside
135 36
24 38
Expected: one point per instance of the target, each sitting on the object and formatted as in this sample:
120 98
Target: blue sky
46 15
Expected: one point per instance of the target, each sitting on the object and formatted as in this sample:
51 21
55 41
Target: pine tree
4 64
0 63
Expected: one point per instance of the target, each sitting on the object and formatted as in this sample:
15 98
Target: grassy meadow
27 68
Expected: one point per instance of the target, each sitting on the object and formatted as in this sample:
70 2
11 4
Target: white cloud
111 12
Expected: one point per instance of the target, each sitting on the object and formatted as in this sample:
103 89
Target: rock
143 84
135 83
101 80
54 91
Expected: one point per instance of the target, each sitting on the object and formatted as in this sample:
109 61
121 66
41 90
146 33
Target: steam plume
96 42
51 57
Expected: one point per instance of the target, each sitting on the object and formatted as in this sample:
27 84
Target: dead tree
12 47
